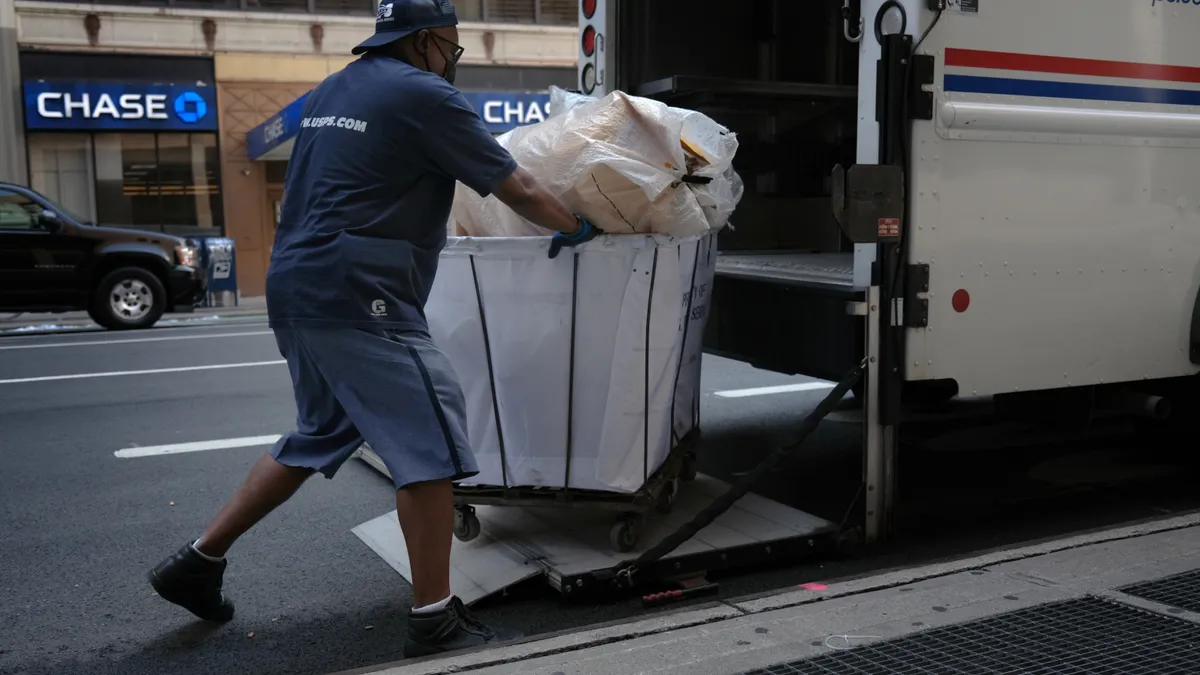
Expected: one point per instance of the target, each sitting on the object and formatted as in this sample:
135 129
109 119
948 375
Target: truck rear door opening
782 76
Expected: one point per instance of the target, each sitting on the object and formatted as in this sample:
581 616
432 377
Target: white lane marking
780 389
196 323
154 371
197 446
15 334
86 343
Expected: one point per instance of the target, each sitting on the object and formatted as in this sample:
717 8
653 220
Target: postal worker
368 194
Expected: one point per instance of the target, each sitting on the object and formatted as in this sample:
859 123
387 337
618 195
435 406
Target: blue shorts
393 389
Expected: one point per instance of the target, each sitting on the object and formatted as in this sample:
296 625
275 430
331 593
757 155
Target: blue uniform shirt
368 195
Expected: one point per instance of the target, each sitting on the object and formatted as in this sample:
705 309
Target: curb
595 636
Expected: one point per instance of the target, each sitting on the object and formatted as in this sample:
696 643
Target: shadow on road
301 647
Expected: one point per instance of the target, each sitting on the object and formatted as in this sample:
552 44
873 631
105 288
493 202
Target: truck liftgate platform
571 548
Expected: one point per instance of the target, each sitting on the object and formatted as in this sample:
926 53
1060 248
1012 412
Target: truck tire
128 298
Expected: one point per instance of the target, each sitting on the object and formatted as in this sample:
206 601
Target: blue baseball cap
400 18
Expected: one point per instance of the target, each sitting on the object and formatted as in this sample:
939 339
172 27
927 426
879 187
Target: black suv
50 261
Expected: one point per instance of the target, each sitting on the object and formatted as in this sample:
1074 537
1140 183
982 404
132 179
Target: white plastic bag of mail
628 164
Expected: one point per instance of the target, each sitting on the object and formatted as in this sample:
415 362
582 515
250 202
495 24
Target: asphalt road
79 526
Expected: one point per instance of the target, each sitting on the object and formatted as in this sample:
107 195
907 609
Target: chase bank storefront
127 141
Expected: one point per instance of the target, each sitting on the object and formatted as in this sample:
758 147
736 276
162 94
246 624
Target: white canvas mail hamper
593 356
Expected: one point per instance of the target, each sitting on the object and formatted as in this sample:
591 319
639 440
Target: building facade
140 113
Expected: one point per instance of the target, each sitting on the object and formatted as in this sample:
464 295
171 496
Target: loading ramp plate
569 546
1089 635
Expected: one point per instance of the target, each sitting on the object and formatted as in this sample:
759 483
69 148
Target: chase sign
502 111
272 140
95 106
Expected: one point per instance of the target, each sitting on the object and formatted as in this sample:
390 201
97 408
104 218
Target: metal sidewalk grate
1074 637
1180 590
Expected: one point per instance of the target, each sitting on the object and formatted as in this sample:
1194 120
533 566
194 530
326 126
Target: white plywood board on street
518 543
478 568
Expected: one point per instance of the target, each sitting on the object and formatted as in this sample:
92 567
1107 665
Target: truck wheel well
153 265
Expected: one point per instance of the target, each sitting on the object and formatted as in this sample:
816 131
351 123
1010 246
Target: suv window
18 212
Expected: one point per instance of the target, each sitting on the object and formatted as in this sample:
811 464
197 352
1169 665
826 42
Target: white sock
200 553
435 607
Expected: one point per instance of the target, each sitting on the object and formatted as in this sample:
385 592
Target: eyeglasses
457 51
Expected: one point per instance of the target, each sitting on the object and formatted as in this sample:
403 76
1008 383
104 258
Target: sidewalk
38 323
1080 604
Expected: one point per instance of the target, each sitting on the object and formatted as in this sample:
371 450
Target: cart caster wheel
625 534
688 472
666 498
466 524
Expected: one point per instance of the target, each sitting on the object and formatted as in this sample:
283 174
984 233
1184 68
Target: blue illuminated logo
502 112
119 106
190 108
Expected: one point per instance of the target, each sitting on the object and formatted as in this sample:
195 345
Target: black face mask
451 67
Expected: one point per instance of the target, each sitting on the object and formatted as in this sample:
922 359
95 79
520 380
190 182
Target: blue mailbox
219 258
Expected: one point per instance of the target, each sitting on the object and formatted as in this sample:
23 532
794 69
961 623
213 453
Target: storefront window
126 180
60 167
187 172
206 4
277 5
511 11
559 12
469 10
167 182
554 12
344 6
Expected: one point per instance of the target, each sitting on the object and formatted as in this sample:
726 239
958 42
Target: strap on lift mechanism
625 574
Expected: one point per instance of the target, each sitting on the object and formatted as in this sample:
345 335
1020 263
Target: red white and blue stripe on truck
972 71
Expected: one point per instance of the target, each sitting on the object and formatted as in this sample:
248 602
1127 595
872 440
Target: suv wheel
128 298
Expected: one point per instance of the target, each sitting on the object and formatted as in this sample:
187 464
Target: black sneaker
448 630
194 583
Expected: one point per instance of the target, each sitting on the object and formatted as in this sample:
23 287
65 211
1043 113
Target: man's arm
522 193
457 142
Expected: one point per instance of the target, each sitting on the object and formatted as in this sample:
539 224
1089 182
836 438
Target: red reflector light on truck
589 8
589 41
961 300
